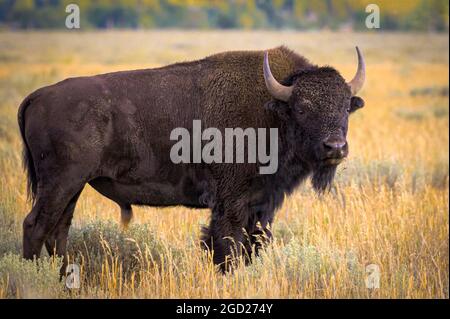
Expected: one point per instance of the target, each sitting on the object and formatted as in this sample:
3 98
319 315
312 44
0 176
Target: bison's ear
356 103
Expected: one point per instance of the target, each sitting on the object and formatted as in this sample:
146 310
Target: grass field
389 207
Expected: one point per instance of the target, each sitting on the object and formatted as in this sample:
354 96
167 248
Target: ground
389 206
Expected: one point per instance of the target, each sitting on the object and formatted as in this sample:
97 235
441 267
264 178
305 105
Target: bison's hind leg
47 221
56 243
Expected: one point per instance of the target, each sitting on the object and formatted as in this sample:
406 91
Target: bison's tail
27 159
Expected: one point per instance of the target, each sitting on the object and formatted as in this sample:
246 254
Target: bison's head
318 103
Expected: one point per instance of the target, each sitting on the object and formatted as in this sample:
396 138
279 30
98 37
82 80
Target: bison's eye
304 105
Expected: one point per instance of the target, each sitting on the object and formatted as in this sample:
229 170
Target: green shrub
430 91
413 115
440 111
376 173
9 237
134 248
20 278
302 262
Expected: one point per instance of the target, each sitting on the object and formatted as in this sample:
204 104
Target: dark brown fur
112 131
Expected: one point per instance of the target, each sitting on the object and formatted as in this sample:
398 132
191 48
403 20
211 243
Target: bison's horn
358 81
275 89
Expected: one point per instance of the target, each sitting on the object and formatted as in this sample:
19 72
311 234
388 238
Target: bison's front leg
259 235
225 235
262 208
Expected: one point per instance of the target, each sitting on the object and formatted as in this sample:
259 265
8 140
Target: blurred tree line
421 15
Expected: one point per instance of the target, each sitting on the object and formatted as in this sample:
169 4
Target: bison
111 131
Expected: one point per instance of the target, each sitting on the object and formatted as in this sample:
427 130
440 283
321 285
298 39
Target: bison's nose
335 148
334 145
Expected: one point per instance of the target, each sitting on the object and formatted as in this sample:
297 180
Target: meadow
389 205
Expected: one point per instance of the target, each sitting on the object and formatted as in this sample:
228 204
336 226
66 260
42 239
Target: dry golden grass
389 206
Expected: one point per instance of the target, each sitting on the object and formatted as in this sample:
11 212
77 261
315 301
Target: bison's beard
322 177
